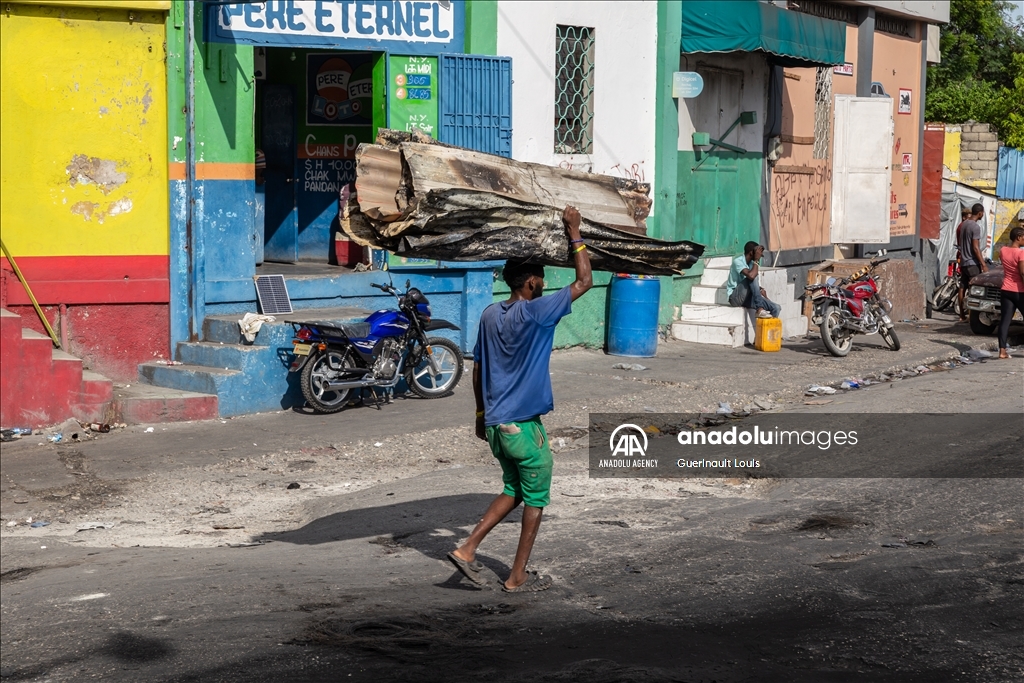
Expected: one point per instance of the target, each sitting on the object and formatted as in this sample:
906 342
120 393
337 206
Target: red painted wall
112 339
931 180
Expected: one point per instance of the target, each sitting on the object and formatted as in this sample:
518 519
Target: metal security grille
822 112
574 90
889 24
826 10
273 294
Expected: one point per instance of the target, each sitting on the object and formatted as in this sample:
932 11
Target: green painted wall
225 95
225 99
176 83
482 27
662 222
586 325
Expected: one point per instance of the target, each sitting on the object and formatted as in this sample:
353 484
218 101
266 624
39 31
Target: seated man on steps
742 287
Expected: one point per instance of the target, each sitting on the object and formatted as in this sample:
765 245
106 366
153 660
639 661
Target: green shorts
523 451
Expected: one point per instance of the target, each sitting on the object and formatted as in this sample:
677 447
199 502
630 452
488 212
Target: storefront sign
843 69
412 94
422 27
908 163
687 84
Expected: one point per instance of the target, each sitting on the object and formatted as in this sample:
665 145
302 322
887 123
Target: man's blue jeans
748 295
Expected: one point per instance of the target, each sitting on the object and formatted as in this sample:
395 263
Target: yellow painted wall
1004 220
83 122
951 153
155 5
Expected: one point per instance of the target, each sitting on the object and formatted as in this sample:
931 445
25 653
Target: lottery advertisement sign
412 89
339 89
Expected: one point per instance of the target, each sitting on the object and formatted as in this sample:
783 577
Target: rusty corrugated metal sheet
437 201
1010 179
931 180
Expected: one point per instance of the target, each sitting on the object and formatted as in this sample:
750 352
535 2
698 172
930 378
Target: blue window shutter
476 103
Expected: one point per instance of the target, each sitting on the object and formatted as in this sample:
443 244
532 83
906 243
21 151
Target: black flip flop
471 570
534 584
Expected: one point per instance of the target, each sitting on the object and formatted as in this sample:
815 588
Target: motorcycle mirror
830 282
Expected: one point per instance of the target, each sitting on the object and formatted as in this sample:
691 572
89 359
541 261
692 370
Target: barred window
889 24
574 90
822 112
826 10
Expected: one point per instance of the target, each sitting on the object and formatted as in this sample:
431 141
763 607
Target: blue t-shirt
513 348
739 264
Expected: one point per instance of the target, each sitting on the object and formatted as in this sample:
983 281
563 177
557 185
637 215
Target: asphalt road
876 579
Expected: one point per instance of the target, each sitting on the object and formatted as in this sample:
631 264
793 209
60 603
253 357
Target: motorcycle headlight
976 291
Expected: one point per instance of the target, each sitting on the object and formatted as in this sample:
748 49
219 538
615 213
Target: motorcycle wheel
945 294
424 383
889 335
324 367
831 328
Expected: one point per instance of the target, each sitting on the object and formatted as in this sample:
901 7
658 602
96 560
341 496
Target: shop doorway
313 108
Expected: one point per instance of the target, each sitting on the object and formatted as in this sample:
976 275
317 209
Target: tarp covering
440 202
795 39
957 196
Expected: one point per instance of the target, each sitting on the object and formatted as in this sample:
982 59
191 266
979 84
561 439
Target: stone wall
979 150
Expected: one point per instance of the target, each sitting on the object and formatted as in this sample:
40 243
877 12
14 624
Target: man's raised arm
581 259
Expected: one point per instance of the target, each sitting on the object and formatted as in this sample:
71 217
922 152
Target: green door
719 192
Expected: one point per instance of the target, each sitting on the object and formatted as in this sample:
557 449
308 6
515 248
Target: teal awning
794 38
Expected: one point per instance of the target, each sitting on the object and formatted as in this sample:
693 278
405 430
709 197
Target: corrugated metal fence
476 103
1010 179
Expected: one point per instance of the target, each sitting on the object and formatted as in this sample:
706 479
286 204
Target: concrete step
10 327
794 327
701 294
719 262
702 313
722 334
196 378
714 277
143 403
264 385
96 389
65 380
94 398
221 355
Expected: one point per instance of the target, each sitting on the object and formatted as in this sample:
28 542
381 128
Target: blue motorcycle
336 359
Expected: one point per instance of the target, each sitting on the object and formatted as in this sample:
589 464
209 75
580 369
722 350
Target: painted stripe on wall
213 171
88 279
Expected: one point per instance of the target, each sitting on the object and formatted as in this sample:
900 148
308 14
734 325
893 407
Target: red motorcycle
847 306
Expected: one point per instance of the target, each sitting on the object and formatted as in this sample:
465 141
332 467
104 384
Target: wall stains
84 209
89 209
92 170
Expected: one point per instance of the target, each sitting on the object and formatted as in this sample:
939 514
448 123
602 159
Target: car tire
980 327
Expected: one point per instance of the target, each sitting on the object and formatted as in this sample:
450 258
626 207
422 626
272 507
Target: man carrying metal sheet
512 385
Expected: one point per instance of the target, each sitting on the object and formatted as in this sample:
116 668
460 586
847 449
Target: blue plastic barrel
633 316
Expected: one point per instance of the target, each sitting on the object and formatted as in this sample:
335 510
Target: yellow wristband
579 249
479 413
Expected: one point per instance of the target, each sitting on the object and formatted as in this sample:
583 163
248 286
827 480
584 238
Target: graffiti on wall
800 208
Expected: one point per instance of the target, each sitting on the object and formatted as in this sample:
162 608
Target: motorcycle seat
350 330
355 330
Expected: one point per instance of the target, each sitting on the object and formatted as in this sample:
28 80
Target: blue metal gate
476 103
1010 183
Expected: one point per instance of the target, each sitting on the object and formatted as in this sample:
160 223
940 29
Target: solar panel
273 294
